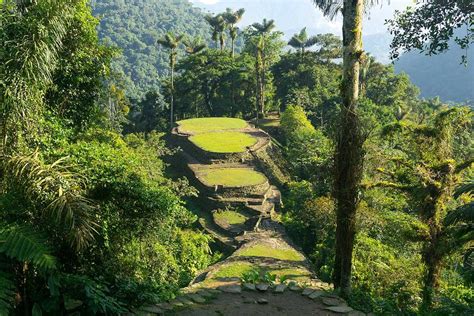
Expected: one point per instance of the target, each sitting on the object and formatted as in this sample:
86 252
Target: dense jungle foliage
135 27
89 212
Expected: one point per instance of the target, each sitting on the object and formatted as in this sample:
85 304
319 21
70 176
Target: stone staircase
284 283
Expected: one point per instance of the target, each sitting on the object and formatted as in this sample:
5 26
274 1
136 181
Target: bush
145 247
308 150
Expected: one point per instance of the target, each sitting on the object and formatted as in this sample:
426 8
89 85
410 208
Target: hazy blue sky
295 14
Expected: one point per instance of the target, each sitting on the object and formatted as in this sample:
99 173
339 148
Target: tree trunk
222 43
232 52
431 253
349 152
263 80
432 273
172 94
257 90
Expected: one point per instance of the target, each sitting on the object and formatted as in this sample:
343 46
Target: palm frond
29 60
23 244
295 42
7 293
464 213
331 8
56 192
467 187
265 27
313 40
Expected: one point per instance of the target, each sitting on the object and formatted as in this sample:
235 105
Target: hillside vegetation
135 26
257 180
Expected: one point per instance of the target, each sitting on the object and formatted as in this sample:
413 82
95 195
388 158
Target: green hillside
134 27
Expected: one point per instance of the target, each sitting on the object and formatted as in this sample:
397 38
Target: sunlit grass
234 270
223 142
231 177
209 124
295 274
230 217
263 250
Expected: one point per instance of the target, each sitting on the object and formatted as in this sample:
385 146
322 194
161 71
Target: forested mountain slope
441 75
134 26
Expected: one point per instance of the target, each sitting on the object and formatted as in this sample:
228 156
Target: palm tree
56 196
194 46
301 41
171 42
349 156
218 25
232 18
34 41
330 46
262 30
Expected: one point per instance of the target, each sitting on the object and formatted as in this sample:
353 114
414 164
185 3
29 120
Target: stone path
265 274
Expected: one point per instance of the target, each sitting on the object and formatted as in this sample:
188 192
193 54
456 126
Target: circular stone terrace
221 136
230 177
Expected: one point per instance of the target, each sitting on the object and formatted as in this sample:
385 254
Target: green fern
6 292
56 192
22 244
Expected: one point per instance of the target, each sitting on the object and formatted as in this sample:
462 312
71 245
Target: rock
356 313
280 288
142 313
213 291
205 294
152 309
165 306
235 289
249 301
185 301
249 286
262 287
176 303
294 288
316 294
262 301
197 298
331 301
307 291
340 309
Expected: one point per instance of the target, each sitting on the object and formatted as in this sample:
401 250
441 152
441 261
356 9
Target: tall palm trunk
349 152
263 79
257 90
232 43
172 62
222 42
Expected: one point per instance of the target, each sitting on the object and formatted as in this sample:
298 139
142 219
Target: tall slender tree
301 41
262 30
232 18
171 42
219 26
349 155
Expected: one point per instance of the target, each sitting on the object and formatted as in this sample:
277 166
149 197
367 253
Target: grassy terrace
238 269
230 217
223 142
266 251
210 124
231 177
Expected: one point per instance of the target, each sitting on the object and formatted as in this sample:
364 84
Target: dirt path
246 303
